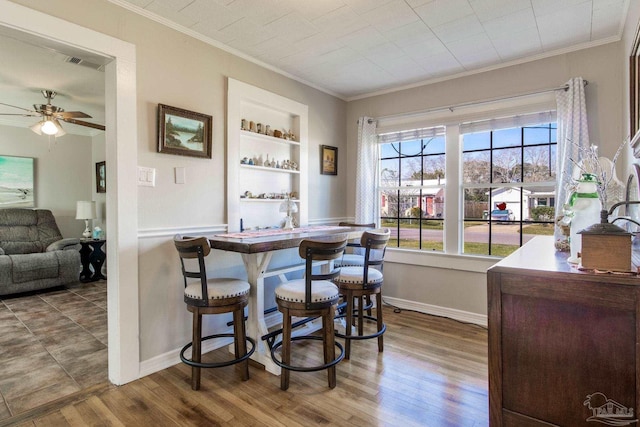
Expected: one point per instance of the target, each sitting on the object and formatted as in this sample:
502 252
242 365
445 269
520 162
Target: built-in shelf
269 138
268 169
246 102
245 199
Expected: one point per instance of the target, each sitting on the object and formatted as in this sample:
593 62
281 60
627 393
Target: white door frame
121 160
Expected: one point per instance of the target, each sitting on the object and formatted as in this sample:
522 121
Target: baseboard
452 313
172 357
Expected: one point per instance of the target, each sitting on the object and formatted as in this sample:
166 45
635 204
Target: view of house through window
507 185
412 180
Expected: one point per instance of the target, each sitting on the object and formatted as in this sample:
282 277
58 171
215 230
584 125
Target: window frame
452 118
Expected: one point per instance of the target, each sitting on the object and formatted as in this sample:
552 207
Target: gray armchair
33 254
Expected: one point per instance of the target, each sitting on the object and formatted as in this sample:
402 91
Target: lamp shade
288 207
85 209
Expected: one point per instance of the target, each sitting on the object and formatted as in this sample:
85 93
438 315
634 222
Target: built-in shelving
251 103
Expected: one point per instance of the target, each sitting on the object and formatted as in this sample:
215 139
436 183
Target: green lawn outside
470 248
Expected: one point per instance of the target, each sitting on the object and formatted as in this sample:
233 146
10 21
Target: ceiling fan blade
83 123
73 115
21 114
19 108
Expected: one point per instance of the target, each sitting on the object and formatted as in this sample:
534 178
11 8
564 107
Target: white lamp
86 210
289 207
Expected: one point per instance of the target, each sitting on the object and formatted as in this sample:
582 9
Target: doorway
121 161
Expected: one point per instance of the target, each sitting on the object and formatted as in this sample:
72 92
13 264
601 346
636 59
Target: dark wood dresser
563 344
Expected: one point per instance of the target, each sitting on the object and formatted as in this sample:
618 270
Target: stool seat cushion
293 291
355 275
218 288
350 260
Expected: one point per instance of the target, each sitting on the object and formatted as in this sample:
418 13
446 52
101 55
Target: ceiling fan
51 116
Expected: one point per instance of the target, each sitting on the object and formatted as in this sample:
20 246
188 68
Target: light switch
180 175
146 176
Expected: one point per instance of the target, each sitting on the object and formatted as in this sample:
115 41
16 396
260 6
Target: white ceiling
349 48
355 47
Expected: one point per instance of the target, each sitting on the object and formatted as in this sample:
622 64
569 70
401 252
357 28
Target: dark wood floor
433 372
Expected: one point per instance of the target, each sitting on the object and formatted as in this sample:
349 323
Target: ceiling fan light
49 127
37 127
61 131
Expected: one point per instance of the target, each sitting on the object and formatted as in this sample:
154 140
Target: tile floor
52 344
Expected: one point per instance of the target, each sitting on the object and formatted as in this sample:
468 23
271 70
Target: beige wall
63 172
177 70
455 287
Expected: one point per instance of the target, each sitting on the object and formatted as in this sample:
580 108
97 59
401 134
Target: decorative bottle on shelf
586 207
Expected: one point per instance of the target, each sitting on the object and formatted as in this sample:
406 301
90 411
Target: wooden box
606 251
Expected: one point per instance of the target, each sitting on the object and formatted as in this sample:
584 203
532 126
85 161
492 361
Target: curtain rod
466 104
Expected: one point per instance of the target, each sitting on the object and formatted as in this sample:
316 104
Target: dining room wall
181 71
457 285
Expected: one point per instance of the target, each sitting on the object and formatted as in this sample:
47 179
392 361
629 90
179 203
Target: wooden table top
276 239
539 257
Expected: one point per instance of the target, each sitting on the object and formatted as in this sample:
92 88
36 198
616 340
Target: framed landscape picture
184 132
16 182
101 177
328 160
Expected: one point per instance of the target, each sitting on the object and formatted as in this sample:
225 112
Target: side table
92 255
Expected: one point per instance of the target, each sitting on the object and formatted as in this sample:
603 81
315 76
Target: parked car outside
502 215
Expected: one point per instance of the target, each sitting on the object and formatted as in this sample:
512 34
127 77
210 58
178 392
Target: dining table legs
256 265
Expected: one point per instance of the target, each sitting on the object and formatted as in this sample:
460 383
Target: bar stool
313 296
365 281
212 296
356 256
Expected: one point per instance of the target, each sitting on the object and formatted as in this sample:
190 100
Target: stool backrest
320 250
356 242
375 243
194 248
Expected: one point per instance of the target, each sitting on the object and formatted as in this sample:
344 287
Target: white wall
63 172
456 284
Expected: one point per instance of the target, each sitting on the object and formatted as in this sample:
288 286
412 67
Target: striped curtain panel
367 207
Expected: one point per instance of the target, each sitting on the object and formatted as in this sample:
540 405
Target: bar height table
256 249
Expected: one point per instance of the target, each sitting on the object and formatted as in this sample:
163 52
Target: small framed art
328 160
101 177
183 132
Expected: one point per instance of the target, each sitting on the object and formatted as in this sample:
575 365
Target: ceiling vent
82 62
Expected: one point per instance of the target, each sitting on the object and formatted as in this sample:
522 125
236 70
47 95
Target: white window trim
452 118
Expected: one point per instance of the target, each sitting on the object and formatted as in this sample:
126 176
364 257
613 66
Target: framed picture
328 160
101 177
634 94
16 182
183 132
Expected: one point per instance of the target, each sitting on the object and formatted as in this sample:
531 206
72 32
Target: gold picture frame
184 132
634 94
328 160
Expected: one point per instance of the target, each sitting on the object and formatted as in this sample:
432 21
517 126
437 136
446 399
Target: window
412 180
501 171
508 186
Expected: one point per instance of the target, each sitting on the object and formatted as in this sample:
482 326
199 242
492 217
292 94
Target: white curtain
573 133
367 207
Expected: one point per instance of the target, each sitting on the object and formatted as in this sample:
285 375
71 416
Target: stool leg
196 349
286 348
360 316
348 324
369 305
240 342
329 344
380 322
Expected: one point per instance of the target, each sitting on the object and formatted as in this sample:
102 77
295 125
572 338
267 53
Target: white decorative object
585 208
86 210
289 207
